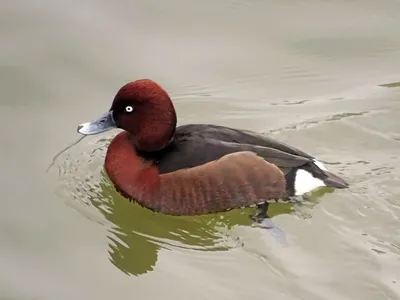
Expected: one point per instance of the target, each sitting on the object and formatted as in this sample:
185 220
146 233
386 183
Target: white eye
129 109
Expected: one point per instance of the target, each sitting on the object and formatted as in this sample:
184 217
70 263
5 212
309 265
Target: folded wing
235 180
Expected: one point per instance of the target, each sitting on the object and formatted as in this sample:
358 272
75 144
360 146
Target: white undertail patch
305 182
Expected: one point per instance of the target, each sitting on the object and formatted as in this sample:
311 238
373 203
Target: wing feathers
235 180
274 156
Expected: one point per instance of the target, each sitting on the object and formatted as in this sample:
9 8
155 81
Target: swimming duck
198 168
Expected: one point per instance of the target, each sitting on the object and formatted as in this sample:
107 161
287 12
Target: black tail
334 181
330 179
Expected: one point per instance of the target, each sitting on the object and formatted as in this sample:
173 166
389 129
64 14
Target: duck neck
134 176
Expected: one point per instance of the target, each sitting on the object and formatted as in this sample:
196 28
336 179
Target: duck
197 169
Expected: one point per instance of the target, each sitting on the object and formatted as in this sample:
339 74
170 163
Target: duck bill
102 124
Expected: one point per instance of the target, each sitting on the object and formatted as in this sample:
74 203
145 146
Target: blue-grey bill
102 124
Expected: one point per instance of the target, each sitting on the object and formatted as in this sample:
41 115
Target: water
323 76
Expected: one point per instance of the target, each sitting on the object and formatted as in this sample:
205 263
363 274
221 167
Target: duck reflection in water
137 234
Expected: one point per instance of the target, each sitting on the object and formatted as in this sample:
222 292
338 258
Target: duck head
142 108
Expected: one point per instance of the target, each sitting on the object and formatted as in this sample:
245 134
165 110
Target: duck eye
129 109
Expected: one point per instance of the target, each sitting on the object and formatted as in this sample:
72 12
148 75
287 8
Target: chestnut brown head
142 108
